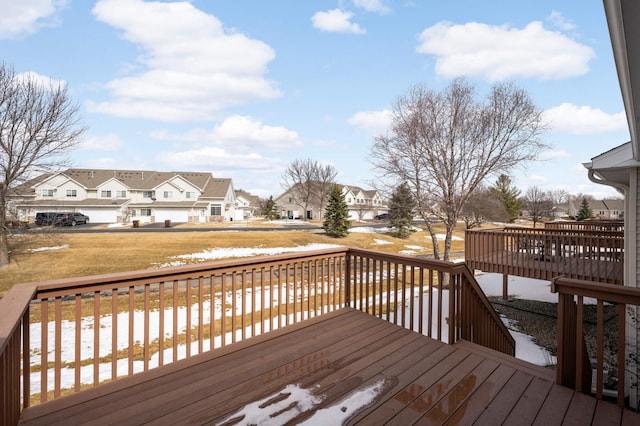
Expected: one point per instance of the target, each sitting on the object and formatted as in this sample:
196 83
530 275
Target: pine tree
269 209
508 195
585 211
402 207
336 217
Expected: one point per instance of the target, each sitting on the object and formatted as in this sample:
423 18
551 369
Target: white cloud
239 133
221 160
372 6
336 21
560 21
41 80
110 142
583 120
373 122
503 52
193 67
25 17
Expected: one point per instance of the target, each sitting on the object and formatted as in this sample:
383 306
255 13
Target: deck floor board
333 357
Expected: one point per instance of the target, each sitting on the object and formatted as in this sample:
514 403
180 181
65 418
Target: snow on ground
64 246
226 253
519 287
443 236
381 242
369 230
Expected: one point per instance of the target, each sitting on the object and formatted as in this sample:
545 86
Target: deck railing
595 255
61 336
575 355
587 225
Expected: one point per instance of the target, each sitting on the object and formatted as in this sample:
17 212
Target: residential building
247 205
608 209
121 196
363 204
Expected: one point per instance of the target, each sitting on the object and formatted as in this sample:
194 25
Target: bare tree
559 196
309 183
481 206
39 124
538 203
444 144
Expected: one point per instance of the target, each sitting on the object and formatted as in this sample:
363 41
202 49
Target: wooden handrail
574 367
610 225
137 320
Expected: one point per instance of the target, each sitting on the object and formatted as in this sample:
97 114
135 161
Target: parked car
72 219
45 218
383 216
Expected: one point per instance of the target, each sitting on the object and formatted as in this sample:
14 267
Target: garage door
100 215
176 216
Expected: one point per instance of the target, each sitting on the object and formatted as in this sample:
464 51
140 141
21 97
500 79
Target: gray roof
134 179
216 188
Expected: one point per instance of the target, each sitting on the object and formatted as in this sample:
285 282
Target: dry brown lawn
99 253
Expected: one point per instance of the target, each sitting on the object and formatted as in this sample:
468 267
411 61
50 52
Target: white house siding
632 251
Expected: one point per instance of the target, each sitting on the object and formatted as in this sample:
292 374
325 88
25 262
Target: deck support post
505 286
573 369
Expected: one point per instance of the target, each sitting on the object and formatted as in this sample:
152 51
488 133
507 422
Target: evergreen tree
508 195
402 208
585 211
269 210
336 217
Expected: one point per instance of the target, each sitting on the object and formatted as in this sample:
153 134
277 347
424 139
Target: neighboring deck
333 356
591 255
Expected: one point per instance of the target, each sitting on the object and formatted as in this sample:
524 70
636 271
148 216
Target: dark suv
45 218
73 219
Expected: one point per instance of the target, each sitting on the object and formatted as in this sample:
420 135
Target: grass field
45 256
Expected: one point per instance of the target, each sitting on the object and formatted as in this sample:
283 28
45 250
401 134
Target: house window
145 212
349 200
47 193
121 194
147 194
72 193
105 194
168 194
216 210
190 195
291 199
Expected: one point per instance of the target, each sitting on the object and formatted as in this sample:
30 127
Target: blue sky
240 88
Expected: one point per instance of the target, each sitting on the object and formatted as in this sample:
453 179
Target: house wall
632 258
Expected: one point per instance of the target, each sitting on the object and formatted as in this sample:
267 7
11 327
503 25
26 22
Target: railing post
347 279
574 366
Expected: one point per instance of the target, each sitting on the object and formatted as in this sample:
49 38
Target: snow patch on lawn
368 230
226 253
381 242
64 246
442 237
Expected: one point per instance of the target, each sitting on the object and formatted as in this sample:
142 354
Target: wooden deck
333 356
549 267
